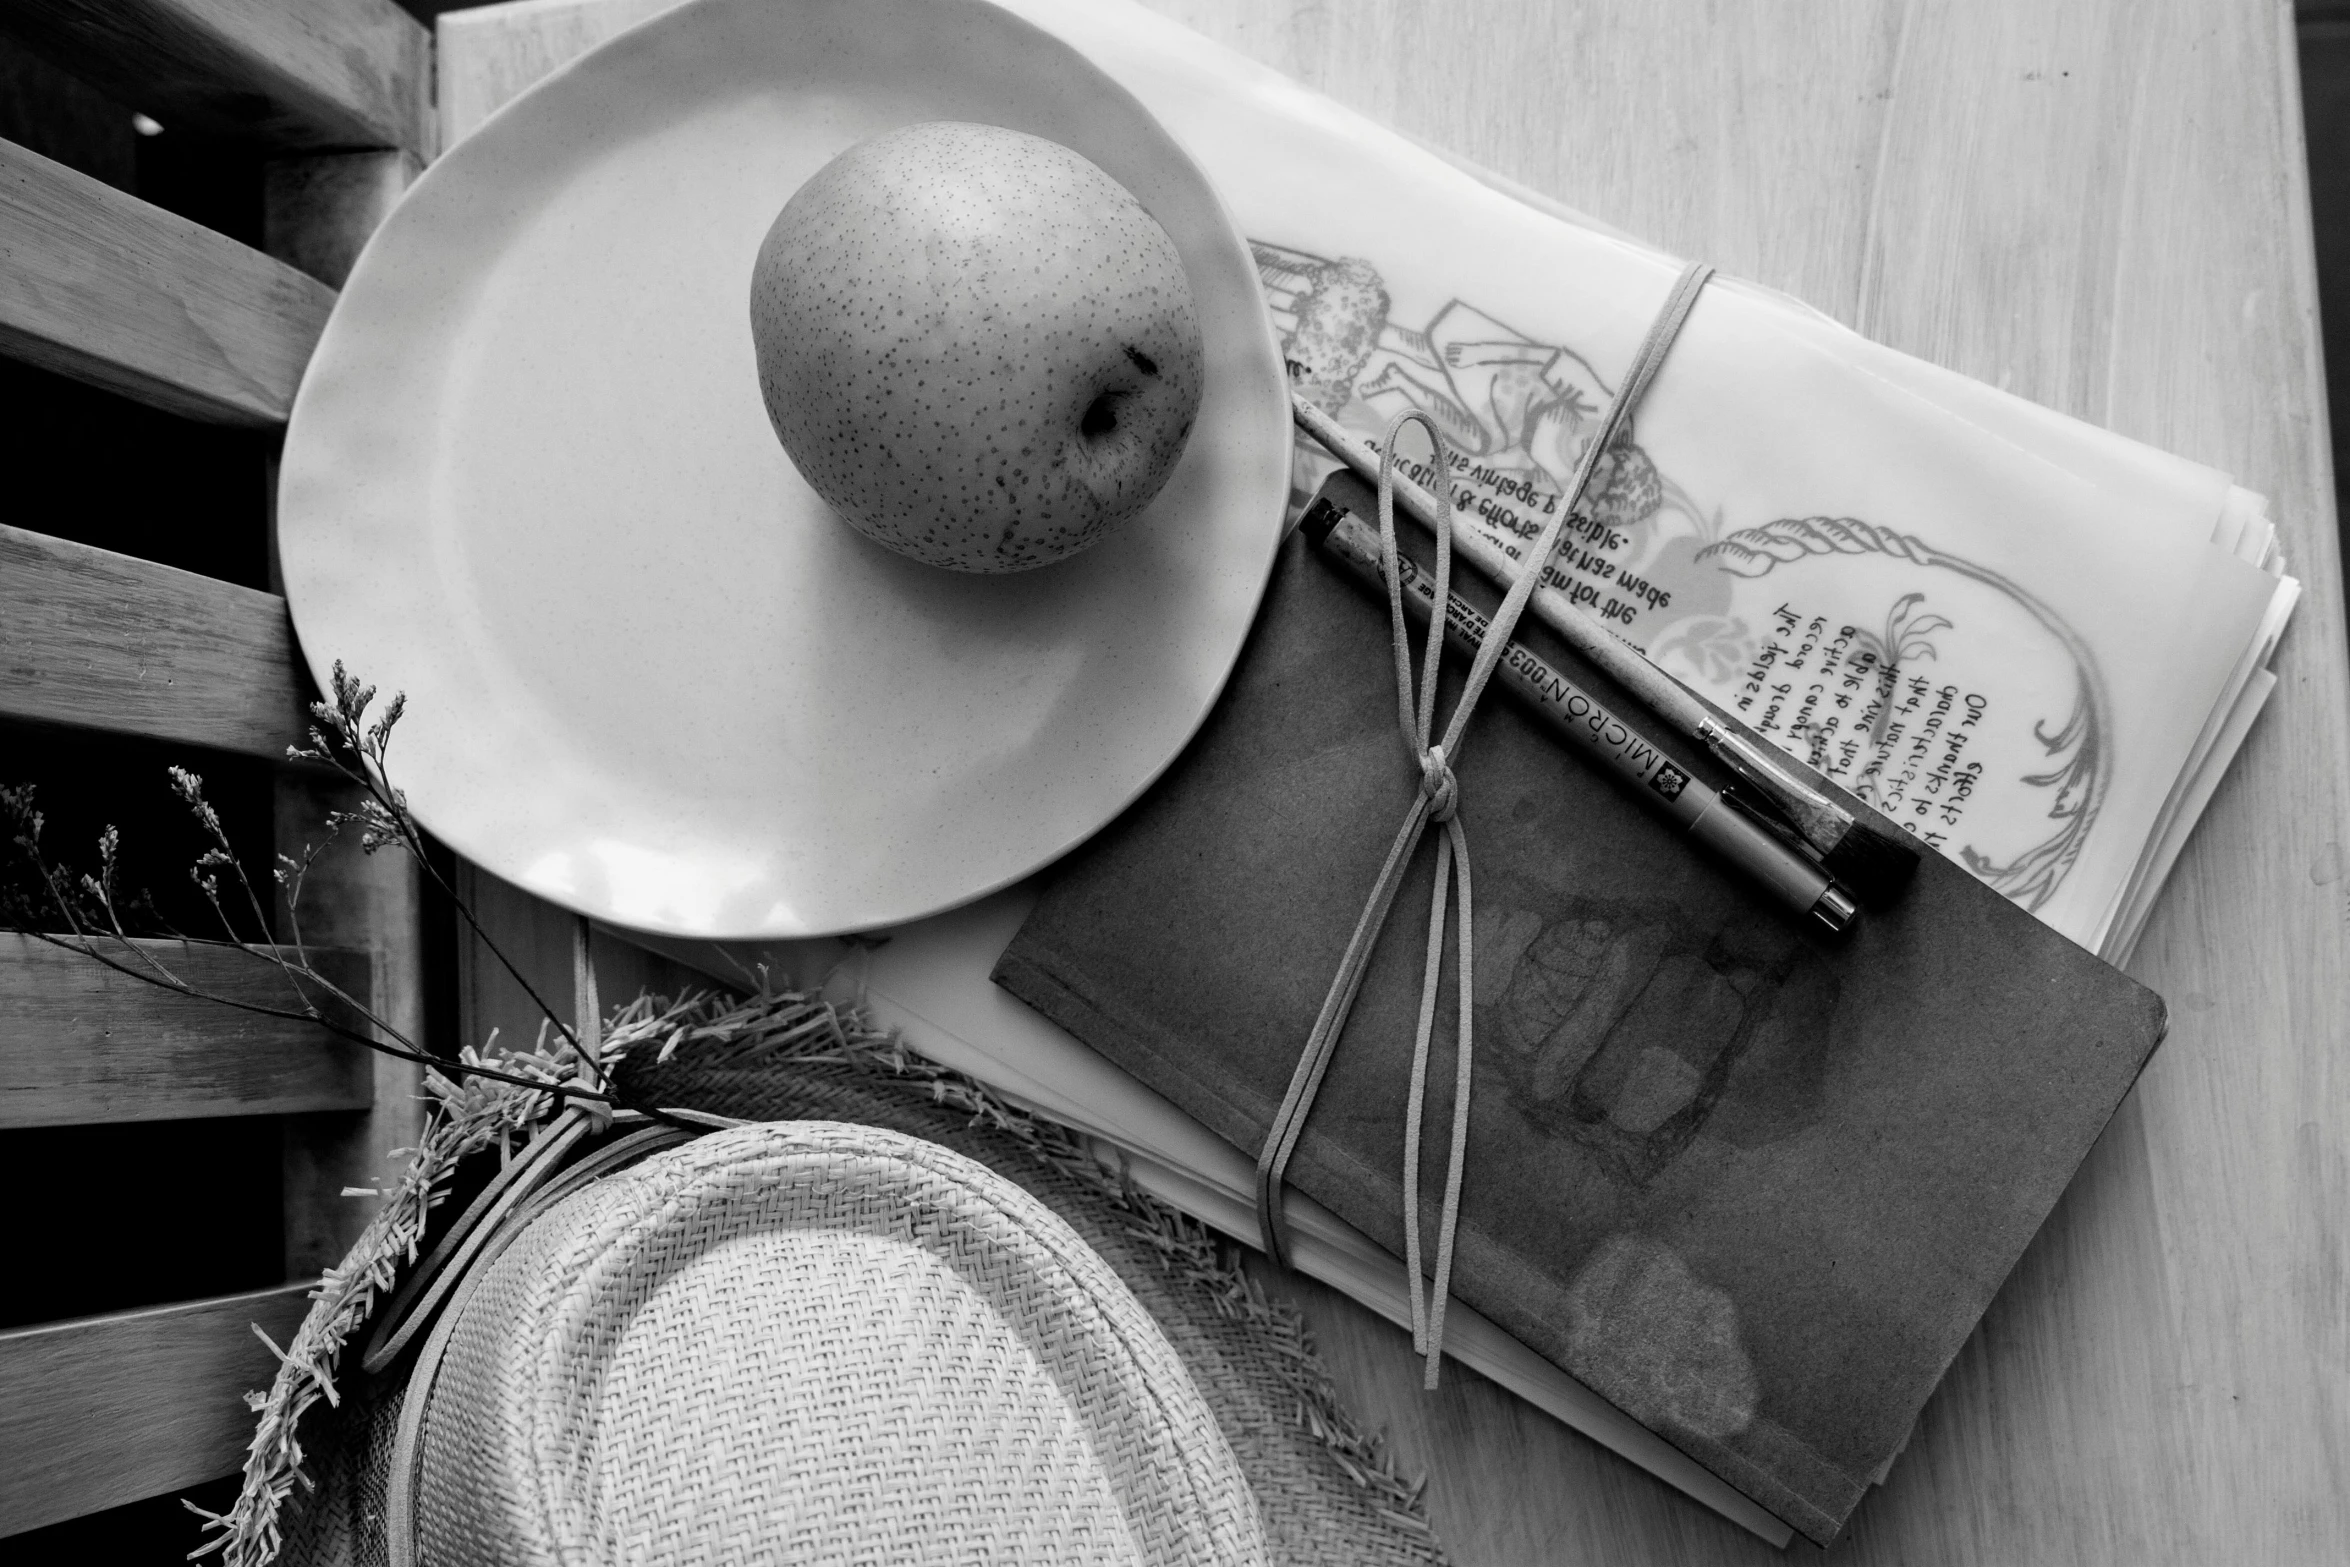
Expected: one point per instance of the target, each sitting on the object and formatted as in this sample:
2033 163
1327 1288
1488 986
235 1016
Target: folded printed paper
2018 636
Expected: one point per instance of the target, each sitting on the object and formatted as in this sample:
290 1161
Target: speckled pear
975 345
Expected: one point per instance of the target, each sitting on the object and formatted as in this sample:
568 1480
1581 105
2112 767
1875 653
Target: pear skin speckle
975 345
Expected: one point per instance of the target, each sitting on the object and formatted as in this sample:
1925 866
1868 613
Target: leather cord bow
1438 804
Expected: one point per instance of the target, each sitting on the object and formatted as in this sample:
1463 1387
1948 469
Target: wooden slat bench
294 75
107 289
86 1044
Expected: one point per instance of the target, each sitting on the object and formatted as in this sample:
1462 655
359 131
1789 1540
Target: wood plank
490 54
309 74
371 905
81 1044
107 289
105 1410
536 936
319 212
104 641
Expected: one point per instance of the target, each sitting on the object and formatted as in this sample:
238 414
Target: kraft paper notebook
1753 1187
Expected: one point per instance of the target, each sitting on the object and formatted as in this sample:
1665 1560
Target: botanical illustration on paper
1938 690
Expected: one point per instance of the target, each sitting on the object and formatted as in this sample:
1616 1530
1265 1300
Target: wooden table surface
2100 206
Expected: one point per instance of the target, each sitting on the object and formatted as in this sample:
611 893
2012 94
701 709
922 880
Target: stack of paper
2033 643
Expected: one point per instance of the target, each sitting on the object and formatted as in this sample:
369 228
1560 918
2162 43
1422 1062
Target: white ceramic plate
529 481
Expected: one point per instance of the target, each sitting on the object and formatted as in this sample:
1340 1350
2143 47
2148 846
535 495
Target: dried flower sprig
358 749
90 914
93 911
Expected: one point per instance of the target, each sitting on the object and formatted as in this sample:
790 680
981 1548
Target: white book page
2129 923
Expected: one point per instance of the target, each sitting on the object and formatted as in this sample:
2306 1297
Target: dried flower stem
344 738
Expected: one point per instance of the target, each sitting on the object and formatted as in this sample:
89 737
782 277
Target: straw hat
805 1340
890 1319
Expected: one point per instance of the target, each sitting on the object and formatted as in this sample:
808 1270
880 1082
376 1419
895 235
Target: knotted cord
1438 803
